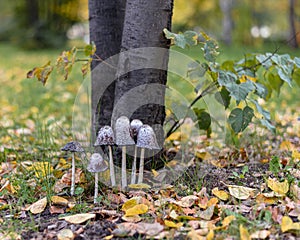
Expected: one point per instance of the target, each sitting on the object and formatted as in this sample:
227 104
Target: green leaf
265 60
178 39
275 82
196 70
265 113
261 90
90 49
268 125
297 62
239 119
284 76
191 38
223 97
226 78
204 119
296 76
240 91
210 49
275 165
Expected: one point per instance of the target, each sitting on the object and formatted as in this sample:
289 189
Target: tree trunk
227 22
142 68
106 25
292 38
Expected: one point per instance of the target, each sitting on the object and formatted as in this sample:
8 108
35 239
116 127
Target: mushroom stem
124 177
73 175
111 168
133 171
141 170
96 187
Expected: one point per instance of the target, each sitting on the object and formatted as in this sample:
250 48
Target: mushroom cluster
124 133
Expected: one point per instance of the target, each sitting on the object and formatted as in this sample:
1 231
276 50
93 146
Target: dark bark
106 24
292 38
142 73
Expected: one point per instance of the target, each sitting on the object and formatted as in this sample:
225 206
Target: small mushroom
106 138
96 165
73 147
146 139
123 139
135 126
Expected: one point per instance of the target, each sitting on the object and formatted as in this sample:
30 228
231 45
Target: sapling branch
177 124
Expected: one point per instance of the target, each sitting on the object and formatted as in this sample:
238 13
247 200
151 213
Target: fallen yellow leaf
210 235
220 194
193 235
38 206
173 224
41 169
212 202
296 154
244 234
129 204
281 188
139 186
287 224
136 210
240 192
59 200
286 146
227 220
79 218
154 172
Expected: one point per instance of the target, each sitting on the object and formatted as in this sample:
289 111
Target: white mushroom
123 139
145 139
106 138
73 147
96 165
135 126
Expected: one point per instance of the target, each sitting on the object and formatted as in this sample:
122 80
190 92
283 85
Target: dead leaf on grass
136 210
208 213
244 234
220 194
133 219
56 210
172 224
280 188
79 218
287 224
241 192
59 201
150 229
187 201
38 206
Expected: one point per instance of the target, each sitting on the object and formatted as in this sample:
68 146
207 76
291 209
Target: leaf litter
217 197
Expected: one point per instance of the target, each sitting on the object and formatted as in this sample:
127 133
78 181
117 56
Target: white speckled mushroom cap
97 164
105 136
72 147
146 138
135 126
122 132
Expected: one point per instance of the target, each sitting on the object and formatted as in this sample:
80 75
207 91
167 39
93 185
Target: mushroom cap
135 126
146 138
72 147
97 164
122 131
105 136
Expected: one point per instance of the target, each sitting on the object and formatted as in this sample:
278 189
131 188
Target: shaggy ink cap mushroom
135 126
122 131
97 164
146 138
105 136
72 147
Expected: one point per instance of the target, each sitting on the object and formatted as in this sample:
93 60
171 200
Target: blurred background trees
49 23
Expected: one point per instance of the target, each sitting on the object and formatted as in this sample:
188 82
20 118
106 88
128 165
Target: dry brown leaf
187 201
208 213
56 210
38 206
295 191
150 229
59 201
79 218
